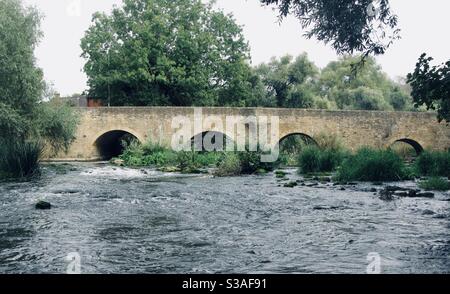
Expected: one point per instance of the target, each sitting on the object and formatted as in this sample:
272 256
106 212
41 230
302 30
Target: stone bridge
101 130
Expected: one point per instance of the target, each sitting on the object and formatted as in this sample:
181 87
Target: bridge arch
109 144
411 142
306 139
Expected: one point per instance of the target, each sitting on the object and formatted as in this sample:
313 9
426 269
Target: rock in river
43 205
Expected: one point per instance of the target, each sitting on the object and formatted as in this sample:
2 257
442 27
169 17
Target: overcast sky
424 24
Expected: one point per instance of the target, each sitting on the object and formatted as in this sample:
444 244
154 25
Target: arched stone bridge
101 129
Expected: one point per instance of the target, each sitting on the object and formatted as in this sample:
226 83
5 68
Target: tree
431 86
23 116
370 89
21 81
288 81
350 26
167 52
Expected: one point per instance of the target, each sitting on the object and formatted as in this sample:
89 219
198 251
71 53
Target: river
121 220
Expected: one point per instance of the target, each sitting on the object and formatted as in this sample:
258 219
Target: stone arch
292 144
109 143
413 143
306 138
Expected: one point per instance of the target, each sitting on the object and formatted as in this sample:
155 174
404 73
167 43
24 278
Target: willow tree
166 52
23 114
21 81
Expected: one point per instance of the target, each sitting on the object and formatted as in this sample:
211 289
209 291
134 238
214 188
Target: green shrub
309 160
132 154
433 164
56 125
313 160
251 162
372 165
150 148
229 165
435 184
20 160
208 159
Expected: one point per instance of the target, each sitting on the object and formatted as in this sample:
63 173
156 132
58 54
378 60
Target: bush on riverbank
315 160
433 164
19 159
373 165
435 184
229 165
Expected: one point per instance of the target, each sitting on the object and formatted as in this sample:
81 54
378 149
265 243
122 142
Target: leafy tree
21 82
431 86
288 81
167 52
350 26
56 124
300 84
370 89
23 116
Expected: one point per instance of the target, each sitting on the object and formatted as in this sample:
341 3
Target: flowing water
143 221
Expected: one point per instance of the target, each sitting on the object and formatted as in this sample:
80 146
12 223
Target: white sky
424 24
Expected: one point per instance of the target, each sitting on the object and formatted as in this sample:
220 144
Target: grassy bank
327 156
225 163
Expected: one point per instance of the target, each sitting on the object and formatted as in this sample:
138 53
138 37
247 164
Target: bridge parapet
356 128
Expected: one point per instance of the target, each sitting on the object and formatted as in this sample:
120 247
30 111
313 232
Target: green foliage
346 24
12 123
22 116
229 165
148 154
433 164
300 84
19 159
167 52
435 184
290 148
372 165
288 81
21 83
251 162
431 86
369 89
313 159
56 125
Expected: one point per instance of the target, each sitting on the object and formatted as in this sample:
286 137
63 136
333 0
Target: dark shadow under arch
197 140
417 147
111 144
299 138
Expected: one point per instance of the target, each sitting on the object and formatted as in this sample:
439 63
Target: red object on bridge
91 102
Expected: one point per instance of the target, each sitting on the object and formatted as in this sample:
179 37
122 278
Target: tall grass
313 159
20 159
435 184
433 164
372 165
